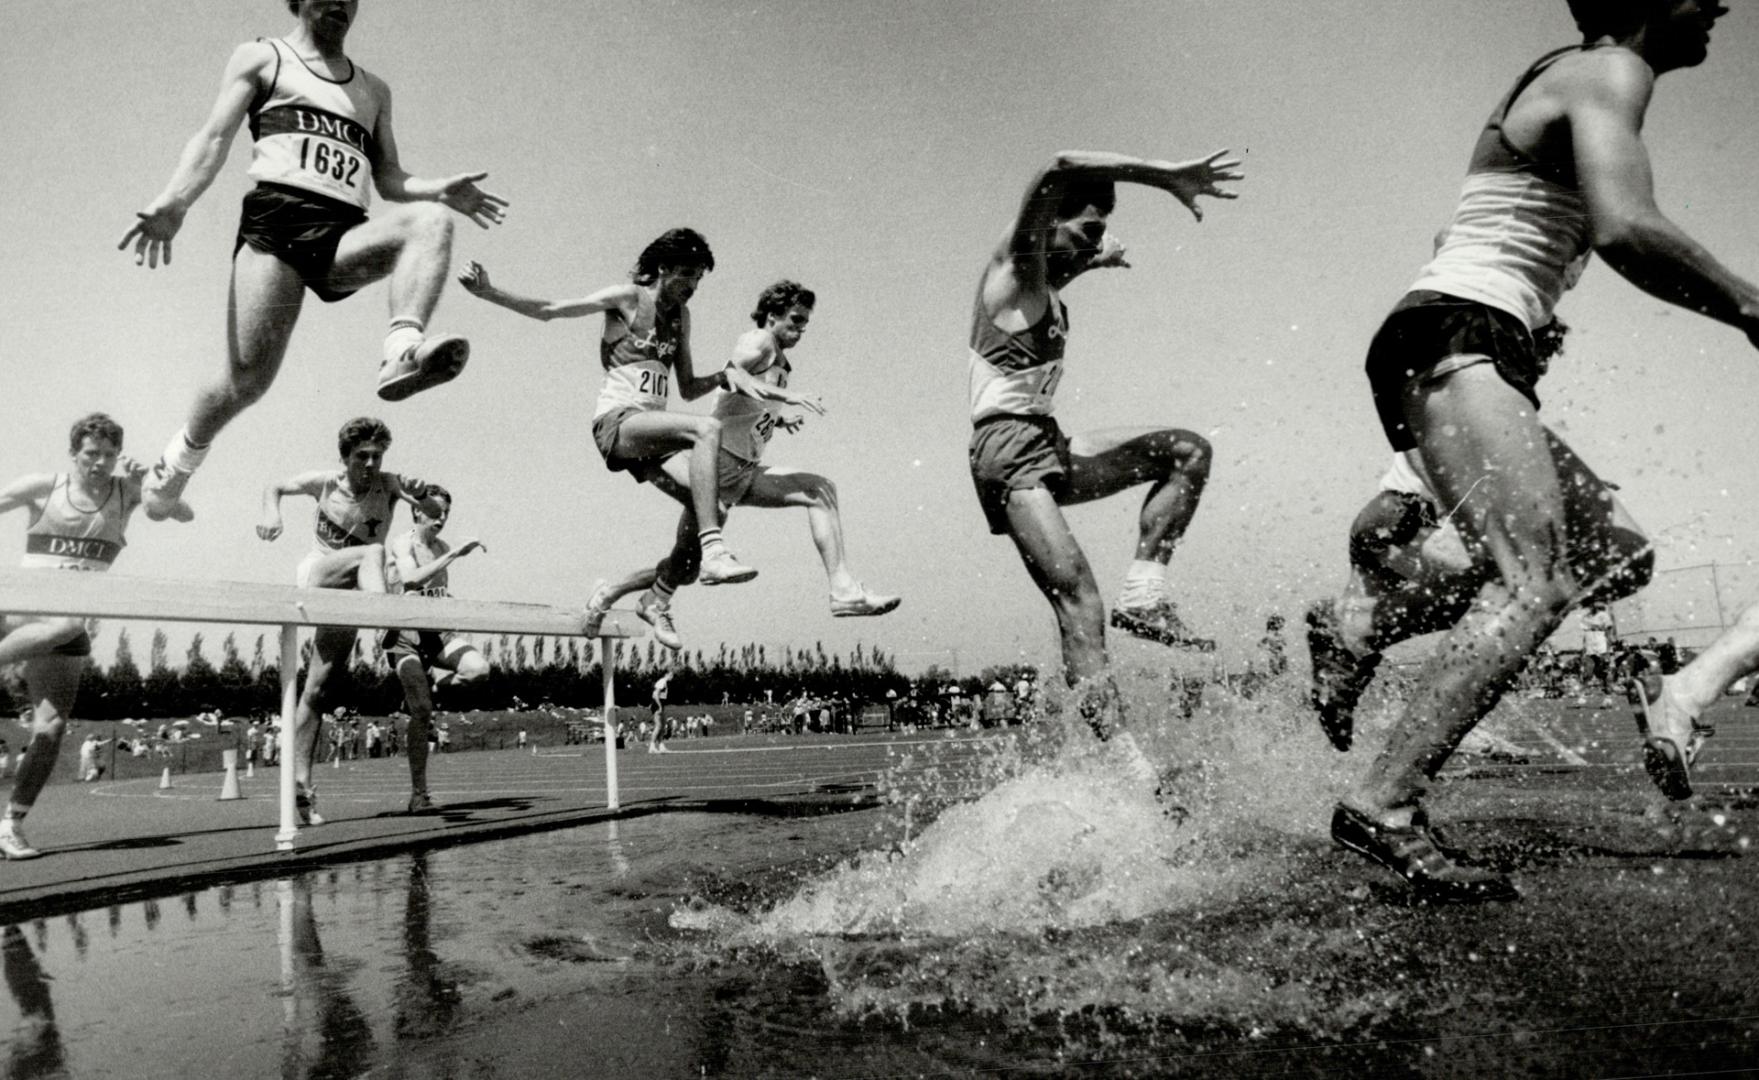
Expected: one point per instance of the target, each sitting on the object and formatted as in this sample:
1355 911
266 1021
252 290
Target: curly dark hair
94 426
678 249
781 296
361 429
1596 18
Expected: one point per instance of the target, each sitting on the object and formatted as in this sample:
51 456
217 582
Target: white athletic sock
405 333
182 454
662 593
711 539
1144 583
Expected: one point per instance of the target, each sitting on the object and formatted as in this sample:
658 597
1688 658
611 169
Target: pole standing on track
289 830
607 655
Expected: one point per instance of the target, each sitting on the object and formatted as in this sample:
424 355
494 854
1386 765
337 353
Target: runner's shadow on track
1529 844
458 813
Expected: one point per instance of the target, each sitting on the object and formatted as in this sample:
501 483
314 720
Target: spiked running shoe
721 568
659 616
1413 853
1159 622
1339 675
420 802
162 494
423 366
598 605
865 603
13 845
1671 740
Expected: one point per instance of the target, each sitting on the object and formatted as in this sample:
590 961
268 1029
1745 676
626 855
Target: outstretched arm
1185 181
413 576
755 349
203 156
475 279
457 192
309 483
1605 114
417 494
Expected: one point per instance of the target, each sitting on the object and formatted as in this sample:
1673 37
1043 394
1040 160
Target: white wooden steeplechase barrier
114 596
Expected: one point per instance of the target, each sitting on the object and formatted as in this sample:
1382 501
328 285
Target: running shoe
1159 622
1339 675
1413 853
424 365
13 845
865 603
721 568
162 494
305 804
420 802
658 615
598 605
1671 740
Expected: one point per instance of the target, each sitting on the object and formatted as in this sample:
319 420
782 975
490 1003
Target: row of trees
562 671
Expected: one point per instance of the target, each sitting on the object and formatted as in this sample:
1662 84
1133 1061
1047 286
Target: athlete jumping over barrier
323 140
77 523
646 340
355 504
1025 469
757 383
421 562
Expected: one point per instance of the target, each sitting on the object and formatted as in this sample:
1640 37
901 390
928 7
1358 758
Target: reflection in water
324 1033
35 1049
614 847
427 1001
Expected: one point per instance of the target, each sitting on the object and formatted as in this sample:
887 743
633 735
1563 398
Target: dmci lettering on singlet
72 547
305 120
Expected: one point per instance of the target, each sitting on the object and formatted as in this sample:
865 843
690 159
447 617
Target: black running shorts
1430 335
299 228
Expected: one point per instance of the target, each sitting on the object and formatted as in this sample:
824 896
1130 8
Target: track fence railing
110 596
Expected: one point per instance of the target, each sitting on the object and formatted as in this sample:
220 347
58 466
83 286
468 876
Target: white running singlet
315 133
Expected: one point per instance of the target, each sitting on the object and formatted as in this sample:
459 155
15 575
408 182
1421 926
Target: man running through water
1024 468
646 340
321 128
1560 169
1413 573
355 504
77 521
421 563
748 410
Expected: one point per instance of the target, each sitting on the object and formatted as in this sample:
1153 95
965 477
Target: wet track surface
1061 924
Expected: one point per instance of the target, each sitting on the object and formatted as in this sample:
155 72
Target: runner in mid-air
1026 470
749 412
321 129
1559 170
646 340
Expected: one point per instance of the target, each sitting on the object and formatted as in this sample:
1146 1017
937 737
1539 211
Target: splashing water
1070 832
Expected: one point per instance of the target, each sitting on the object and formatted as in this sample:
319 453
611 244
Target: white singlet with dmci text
67 536
315 133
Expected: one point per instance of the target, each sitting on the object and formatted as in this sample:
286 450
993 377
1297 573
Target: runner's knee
1197 455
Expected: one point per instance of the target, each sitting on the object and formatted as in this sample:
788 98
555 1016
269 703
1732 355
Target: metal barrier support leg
289 704
607 655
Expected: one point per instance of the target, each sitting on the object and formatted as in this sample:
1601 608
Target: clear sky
876 152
